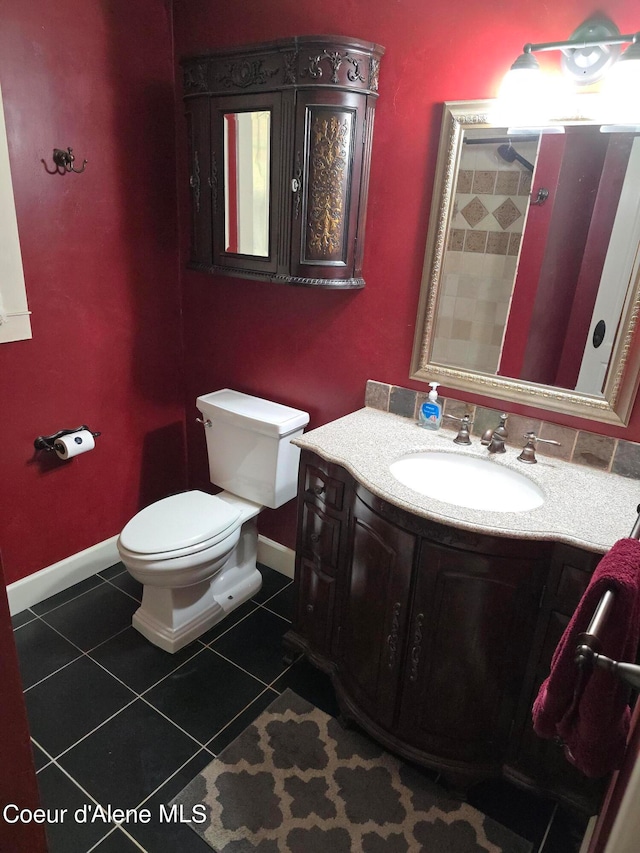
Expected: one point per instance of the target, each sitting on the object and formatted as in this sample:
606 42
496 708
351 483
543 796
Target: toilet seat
179 526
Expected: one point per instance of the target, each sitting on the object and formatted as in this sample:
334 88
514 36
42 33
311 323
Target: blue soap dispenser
430 414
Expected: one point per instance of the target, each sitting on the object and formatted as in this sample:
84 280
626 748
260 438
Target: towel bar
588 650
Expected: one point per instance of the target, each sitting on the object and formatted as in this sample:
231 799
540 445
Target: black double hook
64 161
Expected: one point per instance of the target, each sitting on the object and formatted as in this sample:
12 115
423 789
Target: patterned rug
295 781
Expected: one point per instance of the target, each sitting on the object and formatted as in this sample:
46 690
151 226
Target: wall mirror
531 282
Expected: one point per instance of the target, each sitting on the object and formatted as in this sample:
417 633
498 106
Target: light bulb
522 98
620 89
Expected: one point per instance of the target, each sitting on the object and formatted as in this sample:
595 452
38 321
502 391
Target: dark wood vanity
279 150
436 638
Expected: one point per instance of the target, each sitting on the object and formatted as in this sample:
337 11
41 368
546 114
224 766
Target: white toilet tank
249 445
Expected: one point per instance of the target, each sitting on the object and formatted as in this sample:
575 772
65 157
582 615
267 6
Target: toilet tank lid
252 413
179 521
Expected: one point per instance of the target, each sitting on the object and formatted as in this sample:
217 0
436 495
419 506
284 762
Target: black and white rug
295 781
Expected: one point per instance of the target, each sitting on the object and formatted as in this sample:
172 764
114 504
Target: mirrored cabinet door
246 133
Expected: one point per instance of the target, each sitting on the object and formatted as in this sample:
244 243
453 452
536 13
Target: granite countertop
584 507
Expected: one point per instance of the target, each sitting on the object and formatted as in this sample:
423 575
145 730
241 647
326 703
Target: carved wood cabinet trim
321 92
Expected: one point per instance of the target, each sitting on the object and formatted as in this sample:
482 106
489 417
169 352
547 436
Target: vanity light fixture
593 52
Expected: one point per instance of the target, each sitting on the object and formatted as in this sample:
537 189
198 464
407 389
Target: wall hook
64 162
541 197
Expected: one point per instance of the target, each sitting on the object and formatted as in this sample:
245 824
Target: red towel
595 731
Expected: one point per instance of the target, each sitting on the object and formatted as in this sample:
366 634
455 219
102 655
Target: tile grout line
90 651
233 719
237 666
548 829
81 788
135 695
68 601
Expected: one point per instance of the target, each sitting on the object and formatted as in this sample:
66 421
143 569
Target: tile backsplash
583 448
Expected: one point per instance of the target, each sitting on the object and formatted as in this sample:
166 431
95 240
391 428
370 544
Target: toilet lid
180 521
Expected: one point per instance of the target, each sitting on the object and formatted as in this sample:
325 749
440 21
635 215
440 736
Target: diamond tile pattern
116 721
474 212
507 213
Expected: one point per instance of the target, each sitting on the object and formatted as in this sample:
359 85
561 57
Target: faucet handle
463 433
528 454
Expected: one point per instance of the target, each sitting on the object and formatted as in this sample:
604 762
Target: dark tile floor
117 722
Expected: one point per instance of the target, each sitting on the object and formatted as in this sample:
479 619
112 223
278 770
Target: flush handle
206 422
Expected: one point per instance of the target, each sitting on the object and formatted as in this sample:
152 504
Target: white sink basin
467 481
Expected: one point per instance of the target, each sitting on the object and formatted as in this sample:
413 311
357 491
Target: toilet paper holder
46 442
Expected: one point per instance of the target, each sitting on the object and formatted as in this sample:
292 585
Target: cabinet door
374 598
201 180
537 760
315 606
319 551
246 134
326 180
472 620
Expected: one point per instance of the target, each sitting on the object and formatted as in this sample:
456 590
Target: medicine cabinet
279 151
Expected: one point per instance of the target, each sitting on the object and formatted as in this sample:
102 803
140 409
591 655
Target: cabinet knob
295 185
309 608
318 490
315 537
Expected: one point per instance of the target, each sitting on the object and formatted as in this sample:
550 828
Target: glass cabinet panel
247 153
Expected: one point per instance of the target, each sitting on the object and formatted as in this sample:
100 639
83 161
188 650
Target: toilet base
173 617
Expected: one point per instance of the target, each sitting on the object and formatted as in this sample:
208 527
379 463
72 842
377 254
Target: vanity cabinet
279 138
436 638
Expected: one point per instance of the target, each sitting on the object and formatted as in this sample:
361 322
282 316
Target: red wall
315 350
101 268
100 249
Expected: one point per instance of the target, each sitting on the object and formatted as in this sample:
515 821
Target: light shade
626 71
621 103
522 98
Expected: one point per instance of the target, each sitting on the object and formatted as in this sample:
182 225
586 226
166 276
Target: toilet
195 553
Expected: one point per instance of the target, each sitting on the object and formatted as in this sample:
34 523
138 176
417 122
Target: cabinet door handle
194 181
416 648
392 639
296 184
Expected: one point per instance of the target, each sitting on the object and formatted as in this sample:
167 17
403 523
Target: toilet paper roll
74 444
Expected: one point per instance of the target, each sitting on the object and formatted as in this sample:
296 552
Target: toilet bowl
195 553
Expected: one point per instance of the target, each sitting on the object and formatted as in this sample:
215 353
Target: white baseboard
60 576
276 556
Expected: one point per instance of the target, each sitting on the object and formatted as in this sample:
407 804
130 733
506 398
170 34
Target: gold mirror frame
613 407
